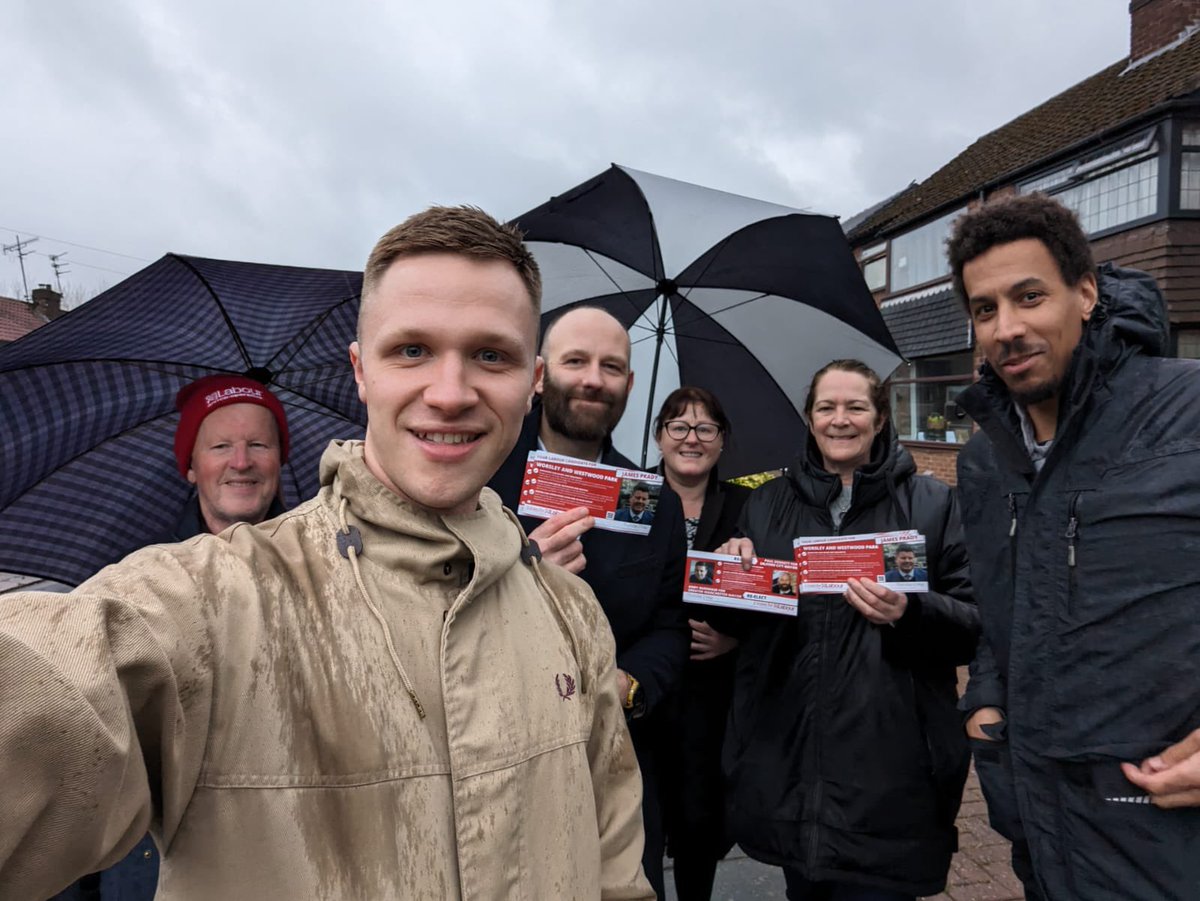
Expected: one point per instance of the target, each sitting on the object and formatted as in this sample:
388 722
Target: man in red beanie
231 441
383 693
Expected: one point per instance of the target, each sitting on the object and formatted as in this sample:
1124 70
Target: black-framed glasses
679 430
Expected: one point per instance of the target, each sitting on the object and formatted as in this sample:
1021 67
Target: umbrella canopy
745 298
87 412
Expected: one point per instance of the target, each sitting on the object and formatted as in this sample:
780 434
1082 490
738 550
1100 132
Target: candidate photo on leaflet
637 509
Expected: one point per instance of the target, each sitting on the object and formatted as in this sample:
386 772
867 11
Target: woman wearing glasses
690 430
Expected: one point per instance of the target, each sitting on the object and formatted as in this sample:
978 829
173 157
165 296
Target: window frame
913 383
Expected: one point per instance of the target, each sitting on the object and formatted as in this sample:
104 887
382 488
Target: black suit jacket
719 516
638 579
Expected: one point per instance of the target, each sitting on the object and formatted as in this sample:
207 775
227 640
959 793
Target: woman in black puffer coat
845 756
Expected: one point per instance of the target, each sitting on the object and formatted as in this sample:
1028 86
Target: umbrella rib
314 325
220 306
733 306
624 294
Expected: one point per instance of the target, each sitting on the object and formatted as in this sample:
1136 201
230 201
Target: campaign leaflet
621 500
719 579
896 559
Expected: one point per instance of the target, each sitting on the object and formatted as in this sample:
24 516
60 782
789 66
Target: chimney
46 302
1156 23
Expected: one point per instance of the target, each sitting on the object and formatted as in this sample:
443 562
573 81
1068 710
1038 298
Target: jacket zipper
1072 535
813 842
1072 528
1012 511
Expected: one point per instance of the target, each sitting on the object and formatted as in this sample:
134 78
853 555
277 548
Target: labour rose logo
565 685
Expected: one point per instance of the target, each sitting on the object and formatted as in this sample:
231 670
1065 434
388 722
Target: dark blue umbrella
740 296
87 413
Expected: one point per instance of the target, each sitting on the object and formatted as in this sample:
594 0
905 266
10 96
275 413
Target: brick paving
980 870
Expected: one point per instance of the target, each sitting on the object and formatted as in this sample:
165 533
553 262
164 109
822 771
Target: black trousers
652 854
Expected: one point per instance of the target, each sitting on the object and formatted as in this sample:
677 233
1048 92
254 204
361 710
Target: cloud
298 133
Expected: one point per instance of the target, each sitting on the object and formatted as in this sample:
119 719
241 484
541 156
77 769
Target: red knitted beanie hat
195 401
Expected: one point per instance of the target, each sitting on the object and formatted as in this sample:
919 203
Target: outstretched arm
103 712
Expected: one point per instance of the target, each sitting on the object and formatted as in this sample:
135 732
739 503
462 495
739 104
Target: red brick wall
1155 23
1169 251
938 460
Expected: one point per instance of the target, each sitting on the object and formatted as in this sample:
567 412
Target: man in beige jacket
380 694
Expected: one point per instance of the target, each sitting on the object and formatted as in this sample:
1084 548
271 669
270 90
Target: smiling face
586 382
844 420
235 465
905 561
1027 320
638 500
689 458
446 366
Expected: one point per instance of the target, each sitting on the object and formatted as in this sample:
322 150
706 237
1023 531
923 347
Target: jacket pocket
993 765
1109 834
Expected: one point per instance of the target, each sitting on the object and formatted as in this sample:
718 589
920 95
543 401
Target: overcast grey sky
297 133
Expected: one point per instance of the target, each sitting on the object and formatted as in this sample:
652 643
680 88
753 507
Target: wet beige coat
242 697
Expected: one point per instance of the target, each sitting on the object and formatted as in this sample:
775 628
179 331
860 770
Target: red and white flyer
719 580
894 558
621 500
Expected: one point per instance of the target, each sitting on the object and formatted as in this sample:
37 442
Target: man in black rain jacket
1081 507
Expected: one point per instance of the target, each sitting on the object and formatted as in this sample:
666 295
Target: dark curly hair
1012 219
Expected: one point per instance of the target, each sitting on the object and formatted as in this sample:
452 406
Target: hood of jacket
396 532
890 464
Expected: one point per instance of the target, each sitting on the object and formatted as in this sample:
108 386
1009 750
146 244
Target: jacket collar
397 535
890 465
191 523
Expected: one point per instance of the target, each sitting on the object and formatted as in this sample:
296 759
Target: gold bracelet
634 685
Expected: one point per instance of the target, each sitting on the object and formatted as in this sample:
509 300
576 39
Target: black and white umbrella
742 297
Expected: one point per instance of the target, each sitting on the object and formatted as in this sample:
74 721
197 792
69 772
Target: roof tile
1116 96
17 319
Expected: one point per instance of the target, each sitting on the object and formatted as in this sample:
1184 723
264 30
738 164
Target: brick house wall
1169 251
1156 23
937 460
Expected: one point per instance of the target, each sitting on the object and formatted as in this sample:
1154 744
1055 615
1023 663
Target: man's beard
1032 394
580 425
1036 394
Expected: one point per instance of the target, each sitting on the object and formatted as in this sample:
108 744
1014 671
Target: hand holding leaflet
620 500
722 581
896 558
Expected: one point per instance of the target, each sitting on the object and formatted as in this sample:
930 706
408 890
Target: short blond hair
464 230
